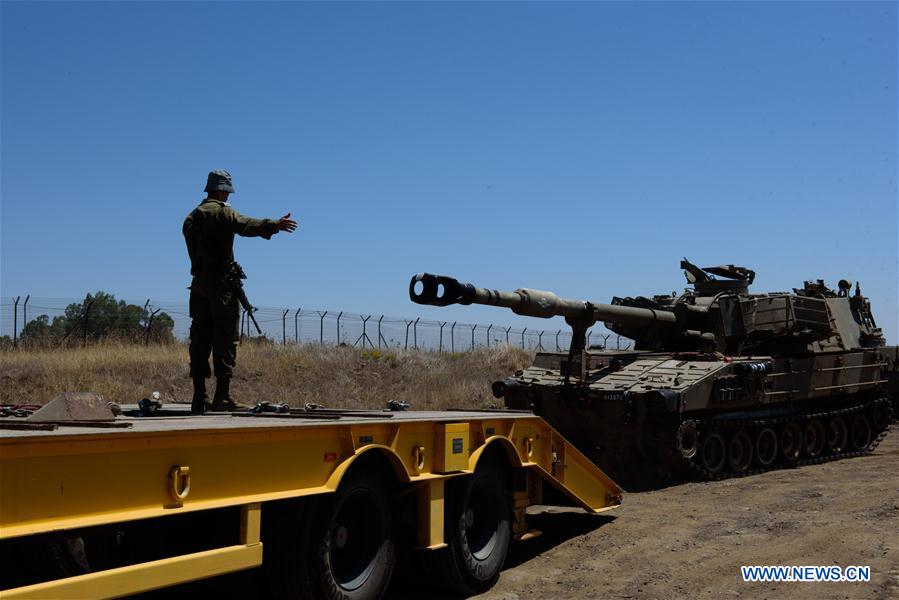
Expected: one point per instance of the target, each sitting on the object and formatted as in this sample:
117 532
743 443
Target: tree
36 331
97 317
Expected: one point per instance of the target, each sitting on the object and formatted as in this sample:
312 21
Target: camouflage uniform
215 313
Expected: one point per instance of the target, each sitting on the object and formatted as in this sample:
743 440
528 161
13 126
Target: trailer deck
66 481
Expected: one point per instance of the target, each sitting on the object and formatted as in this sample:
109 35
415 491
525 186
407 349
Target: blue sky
578 147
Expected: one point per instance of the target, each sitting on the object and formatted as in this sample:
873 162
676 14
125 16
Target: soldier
214 311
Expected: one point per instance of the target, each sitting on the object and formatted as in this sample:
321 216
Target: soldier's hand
285 223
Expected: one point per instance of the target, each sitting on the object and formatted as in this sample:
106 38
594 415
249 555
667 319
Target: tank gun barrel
439 290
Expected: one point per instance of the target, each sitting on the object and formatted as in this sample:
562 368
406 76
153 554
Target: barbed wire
314 326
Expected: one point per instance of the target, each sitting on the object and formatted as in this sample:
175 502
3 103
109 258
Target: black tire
478 529
356 546
341 546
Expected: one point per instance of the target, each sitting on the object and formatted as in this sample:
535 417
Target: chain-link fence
297 325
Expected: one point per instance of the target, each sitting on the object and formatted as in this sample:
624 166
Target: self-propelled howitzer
719 382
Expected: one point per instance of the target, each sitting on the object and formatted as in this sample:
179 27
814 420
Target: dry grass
330 376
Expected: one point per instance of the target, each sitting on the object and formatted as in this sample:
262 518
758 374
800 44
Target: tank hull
711 416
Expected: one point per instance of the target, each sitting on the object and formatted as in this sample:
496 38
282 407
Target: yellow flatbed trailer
322 501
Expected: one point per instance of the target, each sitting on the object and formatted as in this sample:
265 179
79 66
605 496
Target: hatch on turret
736 279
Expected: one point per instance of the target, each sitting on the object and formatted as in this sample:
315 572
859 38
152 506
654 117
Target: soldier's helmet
219 180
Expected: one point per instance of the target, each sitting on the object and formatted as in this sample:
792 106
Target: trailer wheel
478 529
355 547
335 546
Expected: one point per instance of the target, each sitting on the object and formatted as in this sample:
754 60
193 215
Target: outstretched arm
266 228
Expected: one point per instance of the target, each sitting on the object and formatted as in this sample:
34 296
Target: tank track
727 426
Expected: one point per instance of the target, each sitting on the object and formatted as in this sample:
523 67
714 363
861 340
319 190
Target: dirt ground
691 539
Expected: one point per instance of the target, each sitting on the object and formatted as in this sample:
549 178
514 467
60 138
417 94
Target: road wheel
815 439
791 442
766 447
714 453
478 528
687 439
860 433
837 435
880 416
353 544
739 455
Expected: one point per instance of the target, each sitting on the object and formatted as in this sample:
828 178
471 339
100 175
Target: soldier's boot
222 400
200 399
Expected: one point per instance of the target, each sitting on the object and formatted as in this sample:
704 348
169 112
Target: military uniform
209 232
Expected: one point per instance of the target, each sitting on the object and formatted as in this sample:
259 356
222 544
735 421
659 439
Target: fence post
557 341
338 327
321 328
87 318
605 340
408 323
618 342
453 337
473 327
380 336
284 327
364 336
540 340
149 326
508 329
15 322
442 325
25 312
296 326
415 333
523 331
489 327
146 304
